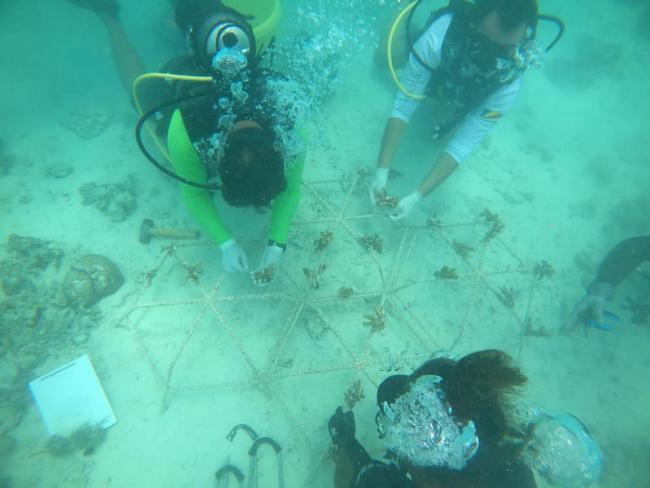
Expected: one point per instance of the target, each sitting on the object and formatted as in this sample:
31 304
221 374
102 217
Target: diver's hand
271 258
233 257
406 205
341 426
591 307
269 264
378 185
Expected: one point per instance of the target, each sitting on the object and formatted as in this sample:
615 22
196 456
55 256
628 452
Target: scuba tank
245 26
219 37
225 44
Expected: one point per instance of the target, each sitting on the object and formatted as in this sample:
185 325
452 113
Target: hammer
147 231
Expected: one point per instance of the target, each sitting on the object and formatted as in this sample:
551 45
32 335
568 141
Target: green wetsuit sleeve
187 164
285 205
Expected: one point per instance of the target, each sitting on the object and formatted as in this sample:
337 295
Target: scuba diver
449 424
617 265
470 58
222 119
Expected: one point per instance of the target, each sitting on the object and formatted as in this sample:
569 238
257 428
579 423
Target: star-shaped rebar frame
359 298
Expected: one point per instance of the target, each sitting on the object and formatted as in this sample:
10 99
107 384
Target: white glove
591 307
233 257
406 206
378 185
271 257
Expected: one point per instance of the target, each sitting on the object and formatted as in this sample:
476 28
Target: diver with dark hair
225 126
469 59
450 424
619 263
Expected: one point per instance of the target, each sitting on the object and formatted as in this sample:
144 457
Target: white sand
280 358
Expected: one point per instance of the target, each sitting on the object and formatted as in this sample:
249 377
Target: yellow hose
389 52
158 76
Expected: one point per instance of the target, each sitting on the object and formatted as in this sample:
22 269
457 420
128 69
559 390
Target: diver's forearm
283 211
128 62
444 166
345 470
390 141
350 457
285 205
622 260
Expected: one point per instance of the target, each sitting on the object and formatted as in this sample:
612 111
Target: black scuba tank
211 26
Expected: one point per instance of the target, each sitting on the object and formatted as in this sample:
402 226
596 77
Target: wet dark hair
511 12
477 387
479 380
251 168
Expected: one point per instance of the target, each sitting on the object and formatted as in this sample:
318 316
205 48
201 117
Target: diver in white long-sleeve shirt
470 58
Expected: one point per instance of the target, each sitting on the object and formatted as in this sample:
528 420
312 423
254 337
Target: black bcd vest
459 78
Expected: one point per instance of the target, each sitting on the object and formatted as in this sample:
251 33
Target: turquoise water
185 352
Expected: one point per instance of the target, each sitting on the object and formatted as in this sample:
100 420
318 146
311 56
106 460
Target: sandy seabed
185 352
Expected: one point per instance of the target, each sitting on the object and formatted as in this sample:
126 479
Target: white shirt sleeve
416 76
481 121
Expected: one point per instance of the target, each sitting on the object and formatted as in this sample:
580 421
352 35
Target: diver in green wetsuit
234 130
246 180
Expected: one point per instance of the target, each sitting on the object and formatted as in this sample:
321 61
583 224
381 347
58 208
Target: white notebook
70 397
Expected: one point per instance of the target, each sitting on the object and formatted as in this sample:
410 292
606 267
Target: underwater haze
495 258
